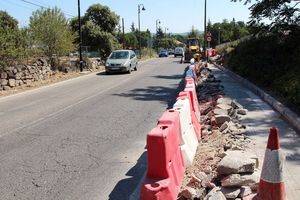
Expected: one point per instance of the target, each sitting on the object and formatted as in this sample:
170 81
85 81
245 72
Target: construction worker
191 72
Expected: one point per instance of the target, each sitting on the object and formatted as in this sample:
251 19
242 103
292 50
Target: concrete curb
289 115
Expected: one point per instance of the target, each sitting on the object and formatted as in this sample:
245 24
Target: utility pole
123 33
204 45
139 22
219 36
80 38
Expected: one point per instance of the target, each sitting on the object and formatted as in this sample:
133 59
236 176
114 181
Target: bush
12 41
271 61
148 53
50 32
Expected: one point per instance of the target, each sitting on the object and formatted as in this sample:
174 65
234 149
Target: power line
44 7
16 4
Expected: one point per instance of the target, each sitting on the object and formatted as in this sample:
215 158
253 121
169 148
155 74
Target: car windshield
163 51
119 55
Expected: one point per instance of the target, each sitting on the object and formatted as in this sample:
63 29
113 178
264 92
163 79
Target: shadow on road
111 74
157 93
124 188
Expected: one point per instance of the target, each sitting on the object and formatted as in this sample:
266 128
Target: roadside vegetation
271 56
51 35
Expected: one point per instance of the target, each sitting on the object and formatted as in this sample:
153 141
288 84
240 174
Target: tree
131 40
102 17
194 33
99 29
282 14
160 34
7 21
50 32
229 31
132 27
12 40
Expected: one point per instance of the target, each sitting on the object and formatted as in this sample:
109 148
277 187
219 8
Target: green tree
50 32
160 34
132 27
131 40
282 14
7 21
229 31
145 36
12 40
99 25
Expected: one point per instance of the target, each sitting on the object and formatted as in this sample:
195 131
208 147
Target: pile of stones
223 167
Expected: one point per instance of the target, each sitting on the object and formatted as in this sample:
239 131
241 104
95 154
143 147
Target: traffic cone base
271 185
271 191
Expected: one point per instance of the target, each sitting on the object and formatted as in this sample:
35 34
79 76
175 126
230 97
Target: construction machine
192 50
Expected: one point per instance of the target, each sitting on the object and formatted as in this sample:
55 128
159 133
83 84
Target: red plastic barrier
196 124
189 81
165 164
193 95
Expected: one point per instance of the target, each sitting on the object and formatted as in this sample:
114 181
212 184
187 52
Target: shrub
271 61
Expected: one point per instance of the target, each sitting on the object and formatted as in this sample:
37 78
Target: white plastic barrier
192 89
189 142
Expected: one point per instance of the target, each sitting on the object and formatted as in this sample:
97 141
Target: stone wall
24 74
19 75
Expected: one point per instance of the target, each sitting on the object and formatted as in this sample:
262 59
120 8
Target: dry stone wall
19 75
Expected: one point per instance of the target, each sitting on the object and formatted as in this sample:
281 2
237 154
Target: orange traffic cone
271 186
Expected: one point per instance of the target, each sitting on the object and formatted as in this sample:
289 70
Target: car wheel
129 70
135 68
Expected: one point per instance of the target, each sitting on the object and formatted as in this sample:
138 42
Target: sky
178 16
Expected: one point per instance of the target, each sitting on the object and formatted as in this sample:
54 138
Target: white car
121 61
179 51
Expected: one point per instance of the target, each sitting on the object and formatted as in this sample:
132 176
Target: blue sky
177 15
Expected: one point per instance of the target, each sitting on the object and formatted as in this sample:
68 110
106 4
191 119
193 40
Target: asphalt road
83 138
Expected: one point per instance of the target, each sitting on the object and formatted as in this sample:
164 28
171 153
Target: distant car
179 51
121 61
163 53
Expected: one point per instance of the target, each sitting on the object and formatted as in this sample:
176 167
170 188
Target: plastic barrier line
165 163
189 141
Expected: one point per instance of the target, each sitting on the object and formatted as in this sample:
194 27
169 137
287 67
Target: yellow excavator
192 50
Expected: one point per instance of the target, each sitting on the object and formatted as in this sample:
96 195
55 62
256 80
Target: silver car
121 61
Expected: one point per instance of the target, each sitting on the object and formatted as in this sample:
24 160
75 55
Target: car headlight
126 64
106 64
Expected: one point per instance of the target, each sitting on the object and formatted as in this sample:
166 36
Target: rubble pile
223 167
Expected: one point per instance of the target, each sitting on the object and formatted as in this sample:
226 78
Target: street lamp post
139 22
123 33
166 29
157 22
80 38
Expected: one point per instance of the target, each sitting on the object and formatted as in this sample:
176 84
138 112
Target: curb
289 115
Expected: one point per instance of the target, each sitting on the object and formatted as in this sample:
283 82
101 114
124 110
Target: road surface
83 138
